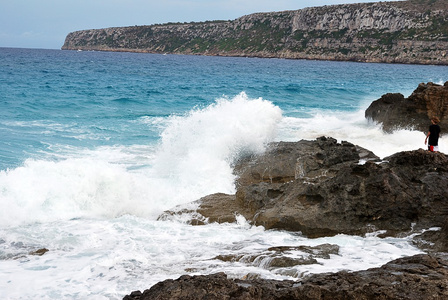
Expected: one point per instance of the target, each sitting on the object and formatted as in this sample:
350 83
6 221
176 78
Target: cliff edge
413 31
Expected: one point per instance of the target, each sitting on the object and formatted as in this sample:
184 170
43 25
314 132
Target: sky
46 23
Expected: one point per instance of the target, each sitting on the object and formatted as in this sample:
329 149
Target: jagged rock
354 199
320 188
287 161
394 111
320 251
270 261
416 277
207 211
433 241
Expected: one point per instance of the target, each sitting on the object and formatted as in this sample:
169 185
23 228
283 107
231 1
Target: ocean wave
193 159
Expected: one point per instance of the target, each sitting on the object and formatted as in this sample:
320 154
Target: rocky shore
322 188
416 277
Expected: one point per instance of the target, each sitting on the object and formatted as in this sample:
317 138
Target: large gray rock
322 188
416 277
332 193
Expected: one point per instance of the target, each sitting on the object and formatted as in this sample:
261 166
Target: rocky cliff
413 31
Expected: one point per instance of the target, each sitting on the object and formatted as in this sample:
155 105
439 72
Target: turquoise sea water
91 99
95 145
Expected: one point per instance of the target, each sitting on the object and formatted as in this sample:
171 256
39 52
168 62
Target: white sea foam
108 259
197 150
95 180
45 191
193 159
355 128
223 129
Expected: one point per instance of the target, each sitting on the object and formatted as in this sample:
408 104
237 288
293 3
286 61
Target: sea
94 146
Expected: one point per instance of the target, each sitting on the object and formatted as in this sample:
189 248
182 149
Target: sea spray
45 191
197 150
194 159
354 128
223 130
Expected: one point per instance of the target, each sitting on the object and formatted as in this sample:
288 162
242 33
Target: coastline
323 188
294 56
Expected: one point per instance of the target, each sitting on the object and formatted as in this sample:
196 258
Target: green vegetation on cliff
413 31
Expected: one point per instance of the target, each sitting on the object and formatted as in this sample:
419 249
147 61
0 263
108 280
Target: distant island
412 31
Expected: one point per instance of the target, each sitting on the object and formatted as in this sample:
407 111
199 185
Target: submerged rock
416 277
39 252
282 259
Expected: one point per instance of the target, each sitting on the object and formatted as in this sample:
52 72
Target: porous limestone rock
393 111
416 277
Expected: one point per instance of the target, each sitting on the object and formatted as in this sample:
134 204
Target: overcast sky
45 23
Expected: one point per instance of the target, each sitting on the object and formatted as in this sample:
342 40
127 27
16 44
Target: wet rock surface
323 188
416 277
283 259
